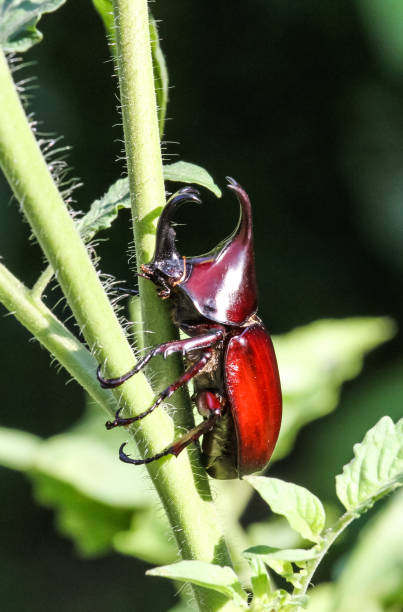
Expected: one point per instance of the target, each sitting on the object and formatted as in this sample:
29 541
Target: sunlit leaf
17 448
184 172
215 577
302 509
314 362
377 467
78 460
291 554
261 585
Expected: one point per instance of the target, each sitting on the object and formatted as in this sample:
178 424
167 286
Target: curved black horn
165 238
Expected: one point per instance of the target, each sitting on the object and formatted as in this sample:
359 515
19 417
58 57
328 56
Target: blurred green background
302 102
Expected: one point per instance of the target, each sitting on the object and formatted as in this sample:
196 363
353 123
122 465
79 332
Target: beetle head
167 267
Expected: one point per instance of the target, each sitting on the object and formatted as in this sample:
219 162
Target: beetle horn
245 220
165 238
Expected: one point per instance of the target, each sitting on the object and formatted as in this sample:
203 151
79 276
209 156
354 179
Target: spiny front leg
166 349
185 378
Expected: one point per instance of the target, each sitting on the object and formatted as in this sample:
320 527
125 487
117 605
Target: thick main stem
185 495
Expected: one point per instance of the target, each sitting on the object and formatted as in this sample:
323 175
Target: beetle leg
179 445
185 378
176 346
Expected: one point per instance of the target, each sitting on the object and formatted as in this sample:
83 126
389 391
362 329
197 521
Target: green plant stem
188 504
42 282
54 336
143 151
32 183
330 536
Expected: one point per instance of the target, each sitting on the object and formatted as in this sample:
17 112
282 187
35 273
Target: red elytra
253 388
229 354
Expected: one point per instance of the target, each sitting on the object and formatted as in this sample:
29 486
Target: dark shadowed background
301 102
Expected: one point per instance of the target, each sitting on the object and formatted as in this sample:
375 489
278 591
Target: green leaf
184 172
281 561
91 509
147 537
104 9
91 524
161 81
221 579
376 469
18 19
294 555
275 530
314 362
104 211
322 597
373 571
78 460
260 581
17 448
383 23
302 509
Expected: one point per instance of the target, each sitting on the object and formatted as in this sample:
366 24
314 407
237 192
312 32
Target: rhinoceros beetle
228 354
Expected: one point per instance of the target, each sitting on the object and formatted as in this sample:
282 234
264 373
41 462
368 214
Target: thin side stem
42 282
54 336
330 536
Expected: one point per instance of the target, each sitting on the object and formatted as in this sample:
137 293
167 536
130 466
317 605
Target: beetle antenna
126 290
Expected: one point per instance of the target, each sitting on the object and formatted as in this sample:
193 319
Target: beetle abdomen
254 394
219 449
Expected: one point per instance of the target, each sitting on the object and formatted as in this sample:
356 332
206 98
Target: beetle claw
116 421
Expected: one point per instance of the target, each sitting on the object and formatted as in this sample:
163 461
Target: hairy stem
42 282
54 336
185 495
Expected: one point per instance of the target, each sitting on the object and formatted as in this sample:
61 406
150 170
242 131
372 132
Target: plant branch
330 536
54 336
42 282
185 495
